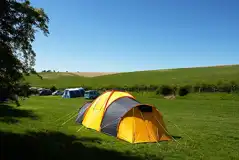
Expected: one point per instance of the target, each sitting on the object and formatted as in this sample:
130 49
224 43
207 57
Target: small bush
234 86
183 91
164 90
53 88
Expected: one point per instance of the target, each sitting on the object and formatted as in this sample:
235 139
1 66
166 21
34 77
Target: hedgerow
182 90
165 90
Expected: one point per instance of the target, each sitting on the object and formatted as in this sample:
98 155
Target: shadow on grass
177 137
55 145
9 114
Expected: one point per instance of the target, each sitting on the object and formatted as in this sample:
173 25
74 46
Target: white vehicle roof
74 89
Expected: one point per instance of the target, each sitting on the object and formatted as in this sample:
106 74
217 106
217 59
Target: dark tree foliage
165 90
53 88
183 91
19 22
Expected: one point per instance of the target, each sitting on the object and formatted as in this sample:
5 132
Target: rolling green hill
181 76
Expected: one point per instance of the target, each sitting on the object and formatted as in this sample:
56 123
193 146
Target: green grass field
207 124
210 75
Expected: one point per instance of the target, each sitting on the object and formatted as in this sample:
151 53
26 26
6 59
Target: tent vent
144 108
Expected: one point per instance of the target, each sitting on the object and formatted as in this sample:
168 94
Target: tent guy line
66 116
69 119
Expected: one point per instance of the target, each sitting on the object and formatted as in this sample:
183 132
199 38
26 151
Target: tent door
146 129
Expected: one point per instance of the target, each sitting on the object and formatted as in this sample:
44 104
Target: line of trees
228 87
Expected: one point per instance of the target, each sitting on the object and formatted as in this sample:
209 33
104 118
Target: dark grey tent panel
81 113
114 112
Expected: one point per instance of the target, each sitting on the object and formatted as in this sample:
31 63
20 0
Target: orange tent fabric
119 114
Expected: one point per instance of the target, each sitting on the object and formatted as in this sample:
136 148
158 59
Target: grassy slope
157 77
212 125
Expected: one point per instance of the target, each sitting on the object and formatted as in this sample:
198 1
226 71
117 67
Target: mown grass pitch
39 129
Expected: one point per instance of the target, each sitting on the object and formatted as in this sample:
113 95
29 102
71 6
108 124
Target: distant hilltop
97 74
89 74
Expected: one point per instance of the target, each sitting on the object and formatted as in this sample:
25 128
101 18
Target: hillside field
45 128
182 76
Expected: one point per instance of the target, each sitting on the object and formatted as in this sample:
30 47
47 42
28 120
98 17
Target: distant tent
73 92
118 114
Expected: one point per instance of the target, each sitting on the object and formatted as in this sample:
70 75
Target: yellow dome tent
119 114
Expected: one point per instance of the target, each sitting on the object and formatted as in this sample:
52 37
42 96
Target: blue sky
130 35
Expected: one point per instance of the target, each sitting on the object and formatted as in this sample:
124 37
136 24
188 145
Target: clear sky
130 35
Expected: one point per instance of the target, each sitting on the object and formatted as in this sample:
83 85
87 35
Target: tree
19 21
53 88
